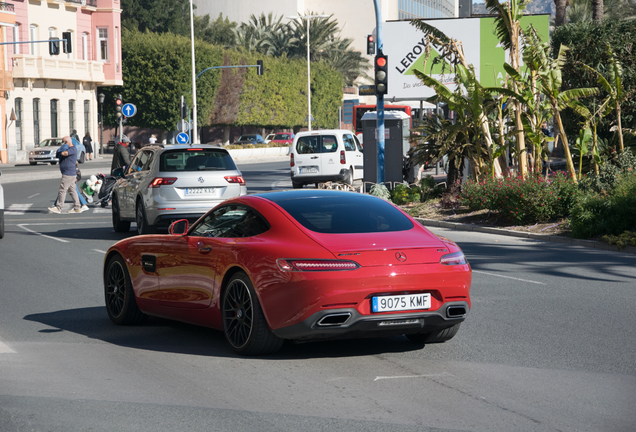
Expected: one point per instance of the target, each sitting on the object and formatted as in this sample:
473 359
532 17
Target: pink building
55 94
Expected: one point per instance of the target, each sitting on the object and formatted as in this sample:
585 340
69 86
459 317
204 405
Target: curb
541 237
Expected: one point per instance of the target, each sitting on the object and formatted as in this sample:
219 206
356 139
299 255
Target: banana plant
585 135
592 119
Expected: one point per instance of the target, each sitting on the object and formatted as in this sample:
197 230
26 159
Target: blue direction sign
183 138
129 110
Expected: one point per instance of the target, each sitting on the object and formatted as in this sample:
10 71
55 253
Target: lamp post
193 138
307 17
101 97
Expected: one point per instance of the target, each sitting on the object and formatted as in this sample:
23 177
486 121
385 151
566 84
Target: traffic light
184 109
370 45
381 74
54 46
118 104
259 69
66 42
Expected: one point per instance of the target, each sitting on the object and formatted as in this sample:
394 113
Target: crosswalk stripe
4 349
18 209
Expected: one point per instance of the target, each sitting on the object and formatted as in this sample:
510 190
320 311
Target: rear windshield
350 214
317 144
196 160
281 137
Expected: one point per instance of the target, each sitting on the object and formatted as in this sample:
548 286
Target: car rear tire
1 223
121 304
244 324
82 158
53 163
297 185
348 179
435 337
143 227
33 163
118 224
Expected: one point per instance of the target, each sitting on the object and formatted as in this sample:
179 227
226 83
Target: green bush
608 212
430 189
610 171
380 191
404 194
522 201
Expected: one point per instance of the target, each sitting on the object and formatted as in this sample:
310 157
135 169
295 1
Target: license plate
200 191
401 302
308 170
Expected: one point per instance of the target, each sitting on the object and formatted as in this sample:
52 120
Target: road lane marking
40 234
100 251
4 349
508 277
34 195
18 209
379 378
101 210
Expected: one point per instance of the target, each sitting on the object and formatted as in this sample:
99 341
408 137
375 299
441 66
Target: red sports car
300 265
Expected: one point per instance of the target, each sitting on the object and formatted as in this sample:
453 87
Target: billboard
405 47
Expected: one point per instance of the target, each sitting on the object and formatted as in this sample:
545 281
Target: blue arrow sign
129 110
183 138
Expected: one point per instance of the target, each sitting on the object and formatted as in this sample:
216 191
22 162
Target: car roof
323 132
185 146
276 196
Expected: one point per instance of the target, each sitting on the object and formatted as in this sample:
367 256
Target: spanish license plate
308 170
401 302
200 191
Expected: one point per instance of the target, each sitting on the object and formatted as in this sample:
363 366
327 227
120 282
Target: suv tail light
161 181
343 159
235 179
294 265
291 160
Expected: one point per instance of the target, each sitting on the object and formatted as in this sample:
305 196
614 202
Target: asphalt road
549 345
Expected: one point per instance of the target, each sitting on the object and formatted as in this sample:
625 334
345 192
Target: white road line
18 209
379 378
101 210
34 195
100 251
508 277
40 234
4 349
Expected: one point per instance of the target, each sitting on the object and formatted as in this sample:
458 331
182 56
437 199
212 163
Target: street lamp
307 17
101 97
193 138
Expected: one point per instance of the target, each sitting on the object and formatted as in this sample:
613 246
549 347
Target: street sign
129 110
183 125
183 138
366 90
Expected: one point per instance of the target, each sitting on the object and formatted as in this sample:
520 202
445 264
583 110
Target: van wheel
348 179
297 185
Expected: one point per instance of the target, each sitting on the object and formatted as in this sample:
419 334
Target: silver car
47 149
164 184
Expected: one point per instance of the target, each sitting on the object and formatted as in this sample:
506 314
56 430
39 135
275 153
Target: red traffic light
381 61
370 38
118 101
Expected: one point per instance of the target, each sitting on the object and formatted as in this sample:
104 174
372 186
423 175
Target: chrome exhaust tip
331 320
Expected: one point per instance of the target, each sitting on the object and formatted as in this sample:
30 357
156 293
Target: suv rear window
351 214
317 144
196 160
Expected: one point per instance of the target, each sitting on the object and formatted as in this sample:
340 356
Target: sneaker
75 211
54 210
84 208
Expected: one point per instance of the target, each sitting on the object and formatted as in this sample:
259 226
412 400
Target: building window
85 46
87 116
36 121
18 123
71 115
103 43
54 132
16 38
33 35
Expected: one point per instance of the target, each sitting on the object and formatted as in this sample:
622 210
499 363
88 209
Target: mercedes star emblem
400 256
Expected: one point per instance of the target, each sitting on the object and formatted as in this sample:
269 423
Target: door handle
314 157
205 249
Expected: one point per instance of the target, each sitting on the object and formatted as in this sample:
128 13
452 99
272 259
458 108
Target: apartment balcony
84 4
57 68
7 14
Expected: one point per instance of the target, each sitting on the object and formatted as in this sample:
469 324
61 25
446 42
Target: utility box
397 130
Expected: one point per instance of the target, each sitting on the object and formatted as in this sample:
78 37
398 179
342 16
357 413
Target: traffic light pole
380 97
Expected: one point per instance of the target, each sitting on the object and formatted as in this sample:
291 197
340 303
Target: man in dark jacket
67 154
121 155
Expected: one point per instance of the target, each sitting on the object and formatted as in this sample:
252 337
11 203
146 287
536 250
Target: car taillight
456 258
315 265
162 181
343 159
235 179
291 160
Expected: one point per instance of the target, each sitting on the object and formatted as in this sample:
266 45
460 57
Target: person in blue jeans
79 194
67 154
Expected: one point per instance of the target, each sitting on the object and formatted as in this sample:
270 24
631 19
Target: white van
325 155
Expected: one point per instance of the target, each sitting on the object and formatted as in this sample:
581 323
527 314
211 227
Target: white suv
325 155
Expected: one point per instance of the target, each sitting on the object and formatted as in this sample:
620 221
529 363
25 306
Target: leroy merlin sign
405 46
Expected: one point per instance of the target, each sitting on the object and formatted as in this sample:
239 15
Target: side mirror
179 227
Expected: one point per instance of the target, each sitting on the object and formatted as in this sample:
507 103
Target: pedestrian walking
78 177
88 143
67 155
75 136
121 155
152 139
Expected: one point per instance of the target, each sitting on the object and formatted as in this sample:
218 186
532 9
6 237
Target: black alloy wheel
119 295
244 324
